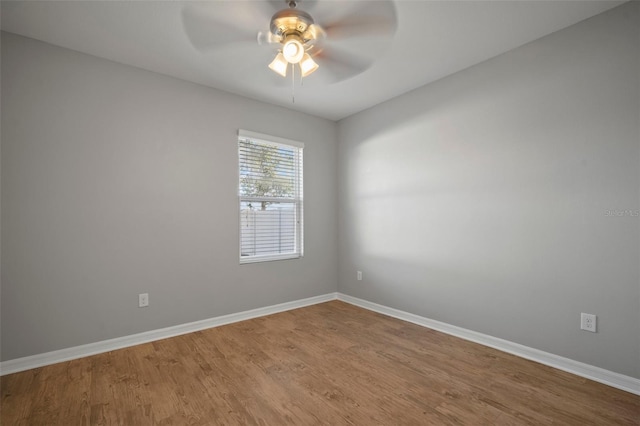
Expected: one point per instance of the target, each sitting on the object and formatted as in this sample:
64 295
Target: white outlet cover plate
143 300
588 322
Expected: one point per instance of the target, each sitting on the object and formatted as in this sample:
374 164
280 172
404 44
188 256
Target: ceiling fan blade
213 25
336 65
366 19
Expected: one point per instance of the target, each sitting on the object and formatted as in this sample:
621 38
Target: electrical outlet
143 300
588 322
359 275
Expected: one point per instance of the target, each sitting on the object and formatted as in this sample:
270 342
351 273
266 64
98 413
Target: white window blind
270 195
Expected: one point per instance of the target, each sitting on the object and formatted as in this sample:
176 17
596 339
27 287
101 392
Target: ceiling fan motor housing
291 21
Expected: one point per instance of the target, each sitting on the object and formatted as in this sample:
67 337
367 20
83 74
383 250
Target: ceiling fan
332 40
296 31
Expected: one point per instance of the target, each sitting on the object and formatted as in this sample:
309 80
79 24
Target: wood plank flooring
331 363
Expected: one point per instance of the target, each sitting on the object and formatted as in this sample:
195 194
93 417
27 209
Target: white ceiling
433 39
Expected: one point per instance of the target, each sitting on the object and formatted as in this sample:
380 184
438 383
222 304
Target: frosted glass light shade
293 50
279 65
307 65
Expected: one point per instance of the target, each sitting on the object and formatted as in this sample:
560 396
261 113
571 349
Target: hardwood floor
331 363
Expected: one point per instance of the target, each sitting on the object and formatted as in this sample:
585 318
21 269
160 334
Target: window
270 196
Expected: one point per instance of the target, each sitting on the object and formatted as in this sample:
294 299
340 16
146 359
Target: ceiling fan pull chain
293 84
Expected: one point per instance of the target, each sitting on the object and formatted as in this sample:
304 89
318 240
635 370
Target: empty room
320 212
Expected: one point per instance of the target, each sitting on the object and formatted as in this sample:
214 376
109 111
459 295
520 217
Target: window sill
268 258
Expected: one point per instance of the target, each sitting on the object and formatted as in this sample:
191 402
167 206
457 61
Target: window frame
297 200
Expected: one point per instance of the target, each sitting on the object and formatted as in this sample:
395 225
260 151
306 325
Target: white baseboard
616 380
54 357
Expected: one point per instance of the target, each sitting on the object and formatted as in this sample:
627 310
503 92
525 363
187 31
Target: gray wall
118 181
481 200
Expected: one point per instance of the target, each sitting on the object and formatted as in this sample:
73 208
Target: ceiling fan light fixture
279 64
307 65
293 49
